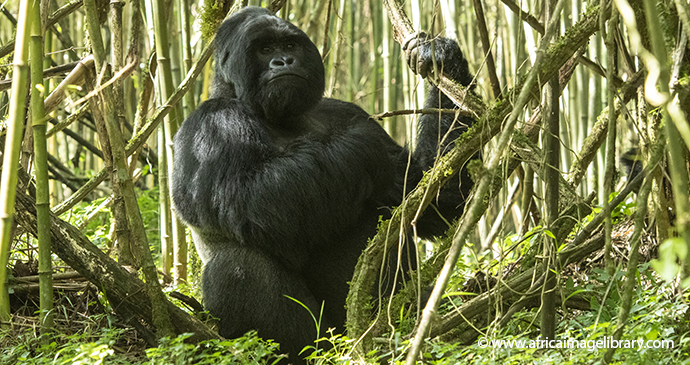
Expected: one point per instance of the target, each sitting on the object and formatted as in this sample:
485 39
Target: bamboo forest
345 182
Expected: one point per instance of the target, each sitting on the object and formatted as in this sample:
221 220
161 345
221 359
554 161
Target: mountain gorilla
282 188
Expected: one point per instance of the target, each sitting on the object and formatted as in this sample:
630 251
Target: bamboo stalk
166 235
611 139
185 27
486 45
10 161
635 240
172 122
104 118
551 171
677 130
115 24
374 42
45 267
388 100
123 186
335 50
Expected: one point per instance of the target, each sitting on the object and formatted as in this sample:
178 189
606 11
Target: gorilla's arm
233 183
437 132
433 128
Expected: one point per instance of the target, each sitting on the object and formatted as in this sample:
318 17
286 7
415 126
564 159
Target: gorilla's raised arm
437 133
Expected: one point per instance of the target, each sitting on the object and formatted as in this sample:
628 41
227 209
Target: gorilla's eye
265 50
290 46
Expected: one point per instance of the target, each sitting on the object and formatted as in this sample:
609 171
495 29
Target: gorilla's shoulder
219 118
334 108
338 112
225 106
221 111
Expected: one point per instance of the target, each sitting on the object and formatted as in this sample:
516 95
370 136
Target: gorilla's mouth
286 75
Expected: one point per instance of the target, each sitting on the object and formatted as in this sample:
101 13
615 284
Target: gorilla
282 188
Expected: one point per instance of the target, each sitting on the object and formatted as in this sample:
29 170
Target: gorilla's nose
282 61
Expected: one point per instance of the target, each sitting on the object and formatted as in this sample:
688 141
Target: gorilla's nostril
281 61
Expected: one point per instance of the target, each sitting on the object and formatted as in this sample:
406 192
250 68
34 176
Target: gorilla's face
270 63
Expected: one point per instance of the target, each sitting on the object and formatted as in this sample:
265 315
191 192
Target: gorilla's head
268 63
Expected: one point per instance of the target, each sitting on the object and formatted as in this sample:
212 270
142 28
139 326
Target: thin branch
124 72
525 16
394 113
486 45
47 73
75 77
65 10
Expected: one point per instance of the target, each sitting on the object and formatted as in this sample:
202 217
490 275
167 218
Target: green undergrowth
657 317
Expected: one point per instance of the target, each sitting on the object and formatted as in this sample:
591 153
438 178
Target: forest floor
82 314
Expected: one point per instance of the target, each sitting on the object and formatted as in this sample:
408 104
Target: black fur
282 188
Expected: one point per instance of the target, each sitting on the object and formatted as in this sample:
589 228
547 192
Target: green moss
212 15
6 65
476 169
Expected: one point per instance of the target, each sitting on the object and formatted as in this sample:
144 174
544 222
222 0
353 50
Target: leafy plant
248 349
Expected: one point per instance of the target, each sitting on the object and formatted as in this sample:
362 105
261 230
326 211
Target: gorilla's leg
248 290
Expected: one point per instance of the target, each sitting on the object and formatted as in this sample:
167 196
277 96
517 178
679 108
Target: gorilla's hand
432 56
411 45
